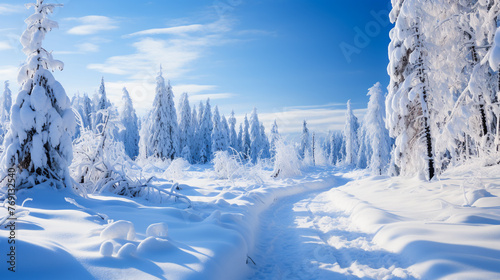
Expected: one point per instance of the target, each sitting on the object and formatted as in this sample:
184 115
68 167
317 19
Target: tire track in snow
300 238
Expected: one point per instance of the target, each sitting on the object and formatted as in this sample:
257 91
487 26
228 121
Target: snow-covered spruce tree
275 135
205 135
88 110
163 142
351 136
101 105
266 149
337 146
255 137
194 143
376 133
305 142
5 105
128 118
185 128
240 139
327 144
218 140
364 151
224 133
38 143
408 106
245 139
233 137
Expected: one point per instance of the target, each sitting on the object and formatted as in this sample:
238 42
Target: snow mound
119 230
127 250
214 217
475 195
157 230
107 249
153 244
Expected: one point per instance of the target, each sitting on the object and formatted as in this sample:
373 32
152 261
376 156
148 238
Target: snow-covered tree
351 136
409 102
38 143
5 105
364 151
305 141
219 140
245 139
163 142
337 148
225 133
275 135
102 104
256 144
128 118
376 133
205 133
88 111
266 149
185 129
144 134
233 137
240 139
195 144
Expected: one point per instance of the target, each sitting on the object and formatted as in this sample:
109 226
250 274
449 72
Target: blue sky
285 57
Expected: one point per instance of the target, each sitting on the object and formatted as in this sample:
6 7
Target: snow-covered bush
177 169
102 165
226 165
286 161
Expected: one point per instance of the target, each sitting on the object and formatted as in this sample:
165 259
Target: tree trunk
431 171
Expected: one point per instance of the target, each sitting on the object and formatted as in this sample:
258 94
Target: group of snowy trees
441 109
167 133
198 133
442 106
362 144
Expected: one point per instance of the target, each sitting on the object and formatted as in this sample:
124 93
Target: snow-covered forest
408 190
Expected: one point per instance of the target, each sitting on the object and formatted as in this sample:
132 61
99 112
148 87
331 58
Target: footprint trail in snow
304 238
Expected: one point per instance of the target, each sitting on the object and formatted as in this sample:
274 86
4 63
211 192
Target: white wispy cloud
87 47
90 25
5 46
176 30
176 48
174 55
7 9
9 73
83 48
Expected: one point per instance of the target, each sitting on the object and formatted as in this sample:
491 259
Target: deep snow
326 224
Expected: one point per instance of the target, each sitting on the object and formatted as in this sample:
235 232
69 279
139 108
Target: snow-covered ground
325 224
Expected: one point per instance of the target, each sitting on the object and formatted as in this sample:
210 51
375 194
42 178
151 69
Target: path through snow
303 237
